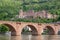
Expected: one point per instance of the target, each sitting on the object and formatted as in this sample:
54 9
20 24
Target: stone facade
32 14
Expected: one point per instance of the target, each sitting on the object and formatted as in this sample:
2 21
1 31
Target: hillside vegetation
10 8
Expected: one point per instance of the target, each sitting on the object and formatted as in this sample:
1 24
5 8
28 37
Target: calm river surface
30 37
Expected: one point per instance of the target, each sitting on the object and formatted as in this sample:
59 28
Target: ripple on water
30 37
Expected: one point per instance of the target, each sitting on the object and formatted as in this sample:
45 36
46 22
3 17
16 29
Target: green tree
3 29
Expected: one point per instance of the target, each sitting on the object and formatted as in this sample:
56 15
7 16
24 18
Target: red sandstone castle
32 14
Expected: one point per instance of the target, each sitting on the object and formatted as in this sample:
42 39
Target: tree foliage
3 29
10 8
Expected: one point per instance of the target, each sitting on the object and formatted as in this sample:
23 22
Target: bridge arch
11 28
49 30
33 28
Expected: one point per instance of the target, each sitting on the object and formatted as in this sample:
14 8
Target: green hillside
10 8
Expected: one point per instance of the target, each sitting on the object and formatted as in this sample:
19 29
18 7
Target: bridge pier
56 32
15 34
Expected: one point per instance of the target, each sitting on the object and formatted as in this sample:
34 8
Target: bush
3 29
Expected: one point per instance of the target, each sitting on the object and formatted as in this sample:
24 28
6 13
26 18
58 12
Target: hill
10 8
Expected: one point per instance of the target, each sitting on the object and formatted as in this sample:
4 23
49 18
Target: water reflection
27 37
30 37
51 37
16 38
5 37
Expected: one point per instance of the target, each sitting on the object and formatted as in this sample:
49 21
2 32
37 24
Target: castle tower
44 14
21 14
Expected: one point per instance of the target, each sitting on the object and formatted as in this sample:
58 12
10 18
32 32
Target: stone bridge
37 28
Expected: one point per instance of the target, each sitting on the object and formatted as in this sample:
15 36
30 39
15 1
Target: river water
30 37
